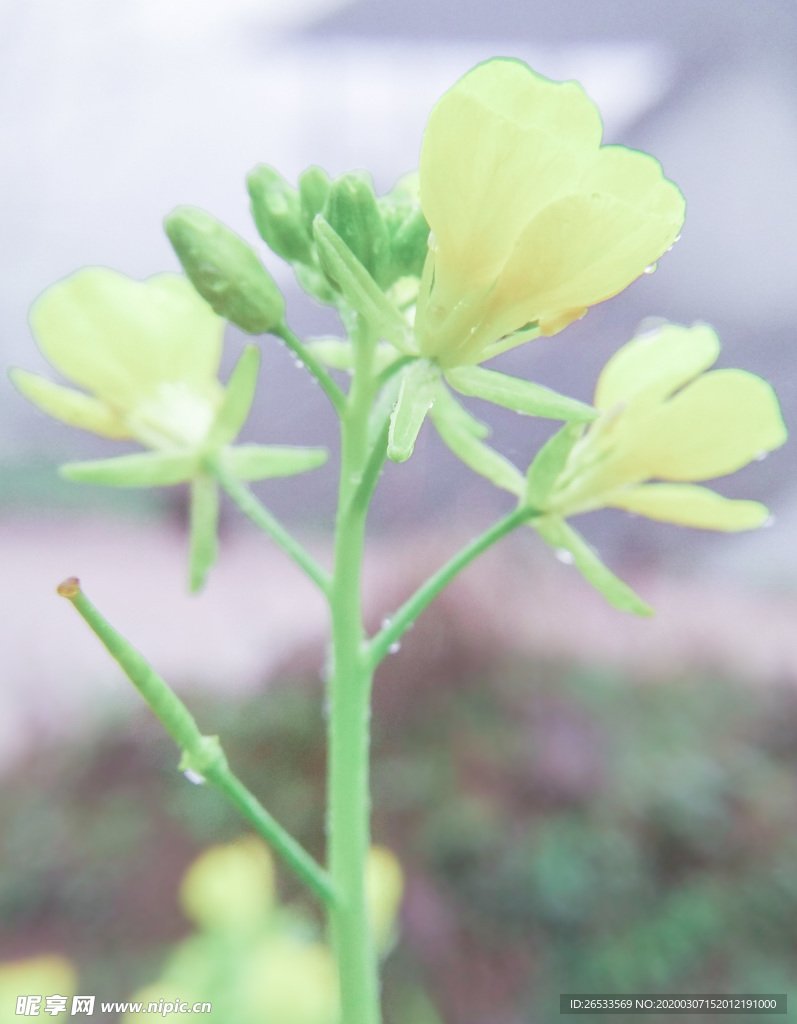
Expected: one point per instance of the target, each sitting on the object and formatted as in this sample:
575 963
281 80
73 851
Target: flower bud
352 211
314 186
408 243
277 212
225 271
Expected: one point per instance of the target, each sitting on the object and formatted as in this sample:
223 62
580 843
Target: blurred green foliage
560 830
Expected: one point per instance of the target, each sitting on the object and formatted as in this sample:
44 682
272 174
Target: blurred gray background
112 114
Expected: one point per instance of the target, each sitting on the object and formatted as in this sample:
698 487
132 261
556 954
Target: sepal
238 397
262 462
204 546
143 469
358 287
420 385
562 537
338 354
548 464
456 428
521 395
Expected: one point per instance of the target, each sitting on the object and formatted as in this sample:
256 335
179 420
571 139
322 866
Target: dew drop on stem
564 556
194 777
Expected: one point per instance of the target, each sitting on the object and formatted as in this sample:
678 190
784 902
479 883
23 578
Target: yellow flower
147 356
532 219
146 352
663 418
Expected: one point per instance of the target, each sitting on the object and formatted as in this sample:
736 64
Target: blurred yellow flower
146 353
532 219
41 976
230 887
664 418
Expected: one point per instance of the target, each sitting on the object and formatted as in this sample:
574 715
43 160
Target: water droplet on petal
394 647
194 777
650 268
564 556
760 456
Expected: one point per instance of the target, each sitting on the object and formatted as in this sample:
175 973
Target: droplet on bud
760 456
769 521
650 268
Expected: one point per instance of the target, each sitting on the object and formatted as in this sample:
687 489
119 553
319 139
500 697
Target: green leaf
204 525
563 537
454 427
238 397
420 385
359 288
521 395
261 462
548 464
144 469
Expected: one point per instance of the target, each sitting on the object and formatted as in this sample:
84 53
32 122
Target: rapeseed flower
146 355
664 419
532 220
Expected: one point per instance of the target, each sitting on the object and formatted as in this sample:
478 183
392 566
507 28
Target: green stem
400 622
330 388
201 754
349 804
269 524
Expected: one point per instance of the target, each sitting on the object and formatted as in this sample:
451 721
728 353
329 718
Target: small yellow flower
146 353
532 219
665 419
147 356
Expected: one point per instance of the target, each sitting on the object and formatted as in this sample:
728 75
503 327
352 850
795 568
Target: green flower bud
225 271
314 186
352 211
277 213
408 243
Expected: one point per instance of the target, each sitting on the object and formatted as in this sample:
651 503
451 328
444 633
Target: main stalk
349 801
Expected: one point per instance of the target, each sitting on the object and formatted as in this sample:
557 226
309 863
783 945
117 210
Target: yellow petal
714 426
501 145
690 505
587 246
70 406
119 338
656 364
